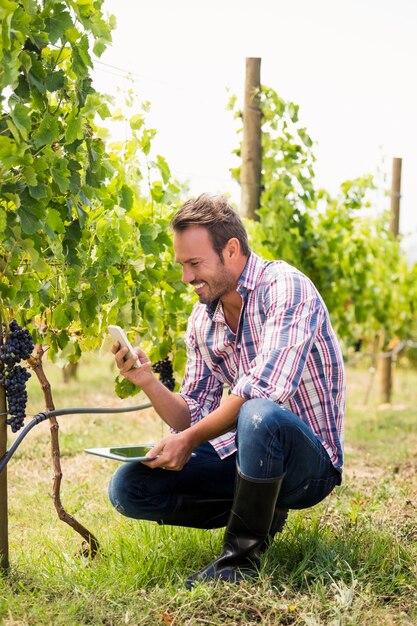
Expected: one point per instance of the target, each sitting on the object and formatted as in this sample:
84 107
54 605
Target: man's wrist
193 436
152 385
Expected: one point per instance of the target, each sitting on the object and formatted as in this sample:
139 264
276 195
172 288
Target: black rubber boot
199 513
277 526
247 530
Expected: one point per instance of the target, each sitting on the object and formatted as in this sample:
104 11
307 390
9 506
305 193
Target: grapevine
165 371
17 346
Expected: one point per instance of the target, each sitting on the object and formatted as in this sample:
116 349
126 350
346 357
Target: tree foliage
343 243
83 222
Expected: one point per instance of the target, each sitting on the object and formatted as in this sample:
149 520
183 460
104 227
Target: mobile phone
118 334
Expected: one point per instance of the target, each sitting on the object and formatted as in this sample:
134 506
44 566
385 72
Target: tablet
124 453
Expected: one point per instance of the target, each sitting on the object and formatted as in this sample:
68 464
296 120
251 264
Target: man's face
201 265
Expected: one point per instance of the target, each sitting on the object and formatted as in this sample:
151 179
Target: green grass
350 561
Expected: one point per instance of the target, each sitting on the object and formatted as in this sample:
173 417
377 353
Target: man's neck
232 306
232 302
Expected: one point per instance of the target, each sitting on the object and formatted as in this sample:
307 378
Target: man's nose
187 275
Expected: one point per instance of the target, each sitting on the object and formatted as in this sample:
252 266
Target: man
275 442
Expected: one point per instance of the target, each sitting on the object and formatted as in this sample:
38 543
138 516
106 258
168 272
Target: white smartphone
118 334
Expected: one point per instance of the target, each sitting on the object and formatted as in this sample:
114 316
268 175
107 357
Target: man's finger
115 347
156 450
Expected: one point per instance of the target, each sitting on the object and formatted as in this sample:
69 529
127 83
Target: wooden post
386 367
251 169
4 525
395 196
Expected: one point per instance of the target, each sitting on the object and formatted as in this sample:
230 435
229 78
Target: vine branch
90 544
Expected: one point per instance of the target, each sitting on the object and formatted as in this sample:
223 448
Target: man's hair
216 215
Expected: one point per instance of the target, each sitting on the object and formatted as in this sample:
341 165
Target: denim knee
257 416
259 452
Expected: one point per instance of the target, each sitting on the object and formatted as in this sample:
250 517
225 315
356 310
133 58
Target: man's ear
232 249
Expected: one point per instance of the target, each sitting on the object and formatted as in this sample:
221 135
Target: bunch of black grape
17 345
166 376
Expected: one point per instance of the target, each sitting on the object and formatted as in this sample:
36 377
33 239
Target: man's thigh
144 493
205 474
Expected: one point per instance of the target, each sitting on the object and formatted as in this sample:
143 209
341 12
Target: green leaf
3 220
145 142
54 221
22 90
7 147
20 116
55 81
72 34
163 168
39 191
99 47
47 132
305 137
126 197
88 308
124 388
13 198
37 76
30 222
57 24
103 111
136 122
82 215
29 175
157 191
63 339
38 264
46 293
7 10
148 234
293 112
74 126
61 174
61 317
72 236
30 7
81 60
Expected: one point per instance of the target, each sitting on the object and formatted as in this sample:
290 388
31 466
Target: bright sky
349 64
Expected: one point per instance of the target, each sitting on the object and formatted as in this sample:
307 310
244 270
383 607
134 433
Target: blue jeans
271 441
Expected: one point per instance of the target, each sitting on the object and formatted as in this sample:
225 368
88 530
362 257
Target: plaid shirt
285 350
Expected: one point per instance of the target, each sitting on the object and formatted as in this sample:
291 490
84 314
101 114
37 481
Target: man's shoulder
281 282
279 270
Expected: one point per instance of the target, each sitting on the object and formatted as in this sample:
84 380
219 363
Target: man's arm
171 407
175 450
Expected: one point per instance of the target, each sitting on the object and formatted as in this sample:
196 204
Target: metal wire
41 417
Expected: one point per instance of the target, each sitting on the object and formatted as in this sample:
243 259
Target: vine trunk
91 544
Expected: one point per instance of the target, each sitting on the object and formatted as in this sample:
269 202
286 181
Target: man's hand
137 375
173 452
170 406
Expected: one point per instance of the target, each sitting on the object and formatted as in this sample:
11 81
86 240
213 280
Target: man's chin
204 300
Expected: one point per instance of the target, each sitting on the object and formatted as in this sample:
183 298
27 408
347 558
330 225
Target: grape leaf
124 388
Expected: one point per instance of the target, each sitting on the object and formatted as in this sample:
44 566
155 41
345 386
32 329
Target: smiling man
275 442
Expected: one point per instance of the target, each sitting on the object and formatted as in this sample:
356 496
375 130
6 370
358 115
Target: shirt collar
246 282
249 277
